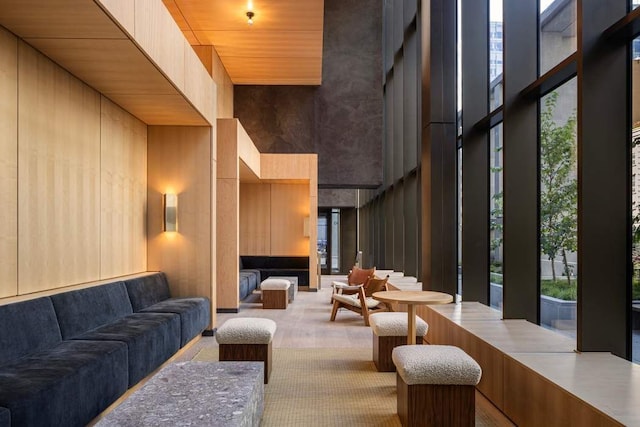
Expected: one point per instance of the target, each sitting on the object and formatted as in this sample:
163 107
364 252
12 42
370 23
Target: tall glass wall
635 198
495 216
495 54
559 209
557 32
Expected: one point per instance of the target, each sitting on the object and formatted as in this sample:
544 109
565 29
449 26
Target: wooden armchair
358 299
357 276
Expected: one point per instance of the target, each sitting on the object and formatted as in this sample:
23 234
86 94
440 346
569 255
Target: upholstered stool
247 339
390 331
275 293
436 385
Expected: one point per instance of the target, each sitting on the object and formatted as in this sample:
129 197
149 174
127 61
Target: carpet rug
325 387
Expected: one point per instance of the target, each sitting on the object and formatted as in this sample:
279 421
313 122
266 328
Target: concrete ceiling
282 47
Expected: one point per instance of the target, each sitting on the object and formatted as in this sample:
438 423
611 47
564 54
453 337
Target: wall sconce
305 226
170 209
250 15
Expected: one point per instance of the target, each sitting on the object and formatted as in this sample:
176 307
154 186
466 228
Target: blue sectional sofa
150 294
67 357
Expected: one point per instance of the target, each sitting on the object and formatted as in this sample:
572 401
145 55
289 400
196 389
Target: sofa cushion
195 315
253 280
28 327
243 286
254 272
68 385
86 309
5 417
147 290
275 262
151 339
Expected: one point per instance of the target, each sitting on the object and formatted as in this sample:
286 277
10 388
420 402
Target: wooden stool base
436 405
275 299
383 347
248 353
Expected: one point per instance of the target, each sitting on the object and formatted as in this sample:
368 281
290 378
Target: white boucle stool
436 385
275 293
390 331
247 339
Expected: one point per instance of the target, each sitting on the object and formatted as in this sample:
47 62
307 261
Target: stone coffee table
195 394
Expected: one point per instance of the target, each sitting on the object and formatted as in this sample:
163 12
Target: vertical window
495 216
635 198
335 240
323 237
495 54
459 175
459 69
557 32
459 139
558 209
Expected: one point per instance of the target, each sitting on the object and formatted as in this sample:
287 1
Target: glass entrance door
329 240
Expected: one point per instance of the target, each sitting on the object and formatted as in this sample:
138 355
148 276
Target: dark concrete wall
341 120
337 198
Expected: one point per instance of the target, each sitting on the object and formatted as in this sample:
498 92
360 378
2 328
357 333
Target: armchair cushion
354 301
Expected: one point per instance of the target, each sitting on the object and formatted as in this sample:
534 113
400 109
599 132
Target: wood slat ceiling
282 47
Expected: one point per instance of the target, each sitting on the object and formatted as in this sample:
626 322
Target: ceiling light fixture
250 15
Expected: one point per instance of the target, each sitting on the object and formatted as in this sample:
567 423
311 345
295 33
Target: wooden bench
555 385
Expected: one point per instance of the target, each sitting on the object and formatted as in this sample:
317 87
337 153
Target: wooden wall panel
214 232
289 207
8 163
165 47
313 220
228 243
199 87
204 52
224 85
247 151
123 146
313 242
57 18
227 148
180 162
226 97
58 176
123 12
255 219
290 167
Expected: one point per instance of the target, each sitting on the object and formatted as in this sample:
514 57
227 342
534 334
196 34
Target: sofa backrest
147 290
27 327
274 262
85 309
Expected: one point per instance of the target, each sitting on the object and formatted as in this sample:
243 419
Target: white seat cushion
395 324
435 364
353 300
246 330
272 284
